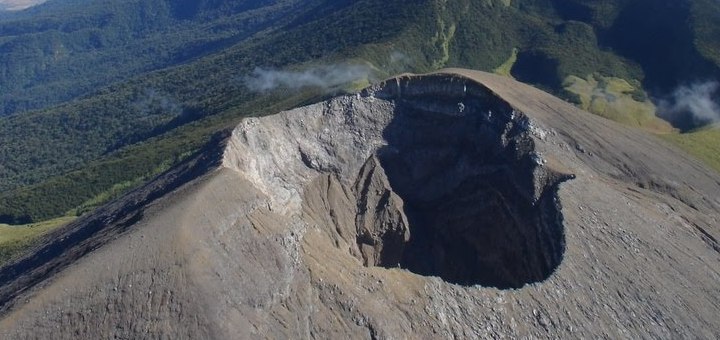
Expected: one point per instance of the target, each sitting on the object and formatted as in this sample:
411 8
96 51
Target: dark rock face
464 164
382 227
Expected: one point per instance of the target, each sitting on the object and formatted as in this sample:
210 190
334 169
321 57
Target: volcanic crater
481 205
443 176
458 204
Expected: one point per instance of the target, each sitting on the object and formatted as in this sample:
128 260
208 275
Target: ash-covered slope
456 204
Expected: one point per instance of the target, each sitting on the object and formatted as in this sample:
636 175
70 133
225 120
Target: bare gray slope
457 204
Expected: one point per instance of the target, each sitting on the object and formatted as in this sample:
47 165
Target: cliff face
456 204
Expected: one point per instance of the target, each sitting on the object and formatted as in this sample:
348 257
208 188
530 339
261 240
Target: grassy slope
613 98
13 239
703 144
506 67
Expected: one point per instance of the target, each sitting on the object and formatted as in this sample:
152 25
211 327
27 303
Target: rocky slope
456 204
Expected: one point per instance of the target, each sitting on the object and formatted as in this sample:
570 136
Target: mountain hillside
63 50
458 204
124 114
102 95
16 5
64 44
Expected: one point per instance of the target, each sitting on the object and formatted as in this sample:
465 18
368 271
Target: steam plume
16 5
322 76
693 102
397 57
152 102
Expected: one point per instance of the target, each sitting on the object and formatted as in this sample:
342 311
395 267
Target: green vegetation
62 146
506 67
60 51
662 41
13 239
615 99
703 144
705 15
103 98
442 39
80 190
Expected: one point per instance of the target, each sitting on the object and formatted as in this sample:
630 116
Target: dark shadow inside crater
481 207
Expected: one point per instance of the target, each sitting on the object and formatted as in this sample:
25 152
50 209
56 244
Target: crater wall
443 177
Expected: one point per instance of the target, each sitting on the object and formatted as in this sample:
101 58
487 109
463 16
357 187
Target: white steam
16 5
328 76
152 102
697 102
397 57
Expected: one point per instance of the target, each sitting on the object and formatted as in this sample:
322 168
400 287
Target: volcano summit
453 204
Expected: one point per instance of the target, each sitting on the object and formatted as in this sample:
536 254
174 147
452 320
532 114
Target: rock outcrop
455 204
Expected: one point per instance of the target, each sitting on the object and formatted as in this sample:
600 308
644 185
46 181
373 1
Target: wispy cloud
16 5
397 57
696 104
326 76
152 102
